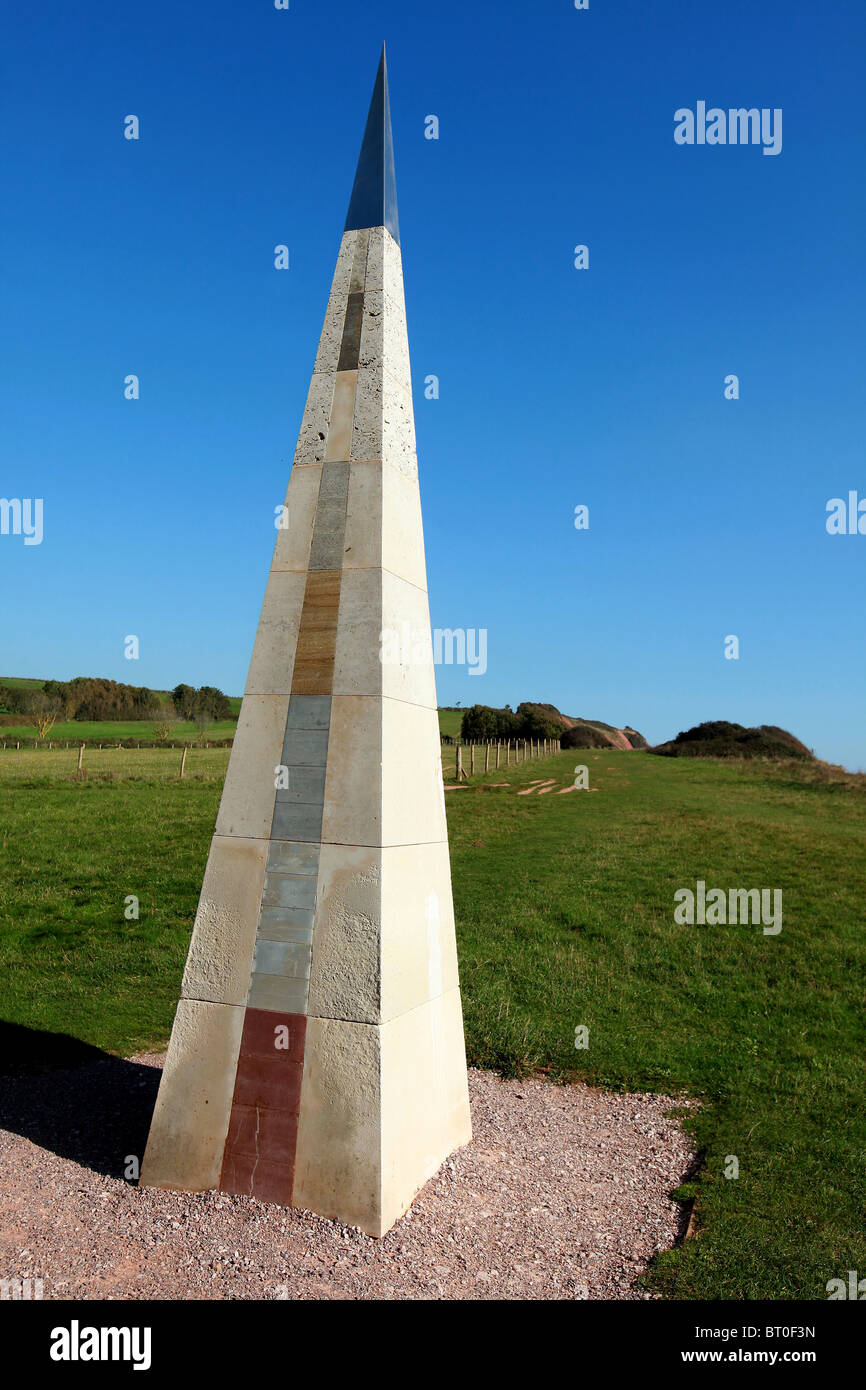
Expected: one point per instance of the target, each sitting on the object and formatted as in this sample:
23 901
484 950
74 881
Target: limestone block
313 436
384 343
363 542
367 436
345 975
353 785
292 547
221 951
407 651
425 1098
357 668
383 638
376 257
247 804
342 412
383 523
191 1118
273 656
413 798
418 949
402 528
384 425
337 1161
398 427
332 329
392 273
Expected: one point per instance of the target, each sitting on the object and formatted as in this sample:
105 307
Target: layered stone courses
322 972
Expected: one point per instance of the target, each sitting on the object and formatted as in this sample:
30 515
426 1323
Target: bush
581 736
538 721
718 738
482 722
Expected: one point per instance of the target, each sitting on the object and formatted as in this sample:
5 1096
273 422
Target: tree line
95 698
481 722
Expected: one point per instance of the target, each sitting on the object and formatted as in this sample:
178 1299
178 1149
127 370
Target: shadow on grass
73 1099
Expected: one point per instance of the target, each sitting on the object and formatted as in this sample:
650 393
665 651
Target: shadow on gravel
74 1099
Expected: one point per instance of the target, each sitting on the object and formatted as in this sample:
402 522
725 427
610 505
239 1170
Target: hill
717 738
534 719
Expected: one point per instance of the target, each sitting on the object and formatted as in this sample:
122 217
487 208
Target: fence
495 754
112 762
71 760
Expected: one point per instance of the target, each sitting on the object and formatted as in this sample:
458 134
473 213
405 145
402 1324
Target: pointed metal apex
374 194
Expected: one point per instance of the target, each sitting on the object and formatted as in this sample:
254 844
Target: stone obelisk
317 1056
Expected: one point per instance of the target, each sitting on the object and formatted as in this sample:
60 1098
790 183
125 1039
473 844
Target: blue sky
558 387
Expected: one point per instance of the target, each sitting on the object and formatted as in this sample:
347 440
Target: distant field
449 722
565 917
111 731
143 730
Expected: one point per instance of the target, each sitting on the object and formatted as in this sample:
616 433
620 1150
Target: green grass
565 916
44 767
115 731
450 721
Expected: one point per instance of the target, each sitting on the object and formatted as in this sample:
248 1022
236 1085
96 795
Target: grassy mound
718 738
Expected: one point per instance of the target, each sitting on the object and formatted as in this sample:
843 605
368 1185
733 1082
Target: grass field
76 731
565 917
450 721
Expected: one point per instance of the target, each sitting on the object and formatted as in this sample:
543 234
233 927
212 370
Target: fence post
487 758
497 755
472 758
80 759
183 760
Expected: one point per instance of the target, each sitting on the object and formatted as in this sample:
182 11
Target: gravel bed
564 1193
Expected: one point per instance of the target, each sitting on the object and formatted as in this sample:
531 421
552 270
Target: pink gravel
564 1193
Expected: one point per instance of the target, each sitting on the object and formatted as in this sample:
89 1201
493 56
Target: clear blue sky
558 387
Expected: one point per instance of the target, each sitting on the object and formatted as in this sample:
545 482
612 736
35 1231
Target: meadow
565 917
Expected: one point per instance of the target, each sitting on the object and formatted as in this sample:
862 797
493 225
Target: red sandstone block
268 1134
237 1173
268 1083
272 1182
251 1177
269 1034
